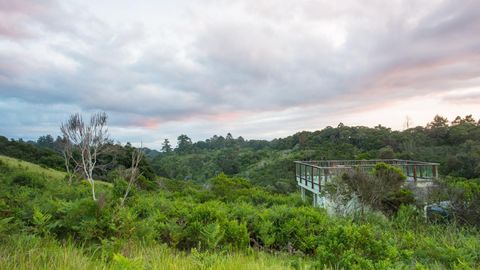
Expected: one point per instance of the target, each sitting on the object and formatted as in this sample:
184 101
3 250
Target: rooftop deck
312 175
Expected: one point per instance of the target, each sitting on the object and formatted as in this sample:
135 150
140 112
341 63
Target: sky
260 69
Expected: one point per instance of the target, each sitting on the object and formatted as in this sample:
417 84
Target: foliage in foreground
33 252
229 216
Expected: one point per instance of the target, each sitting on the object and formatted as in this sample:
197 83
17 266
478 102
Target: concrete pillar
314 199
302 192
320 201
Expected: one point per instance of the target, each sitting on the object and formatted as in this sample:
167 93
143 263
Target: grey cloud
247 57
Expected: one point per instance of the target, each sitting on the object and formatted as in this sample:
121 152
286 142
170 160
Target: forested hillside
455 145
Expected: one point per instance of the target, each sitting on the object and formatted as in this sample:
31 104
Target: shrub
408 216
393 201
28 179
79 218
357 247
119 188
463 196
379 190
146 183
236 235
229 188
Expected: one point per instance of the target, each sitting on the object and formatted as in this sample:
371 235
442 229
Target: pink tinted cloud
423 77
16 16
155 122
150 123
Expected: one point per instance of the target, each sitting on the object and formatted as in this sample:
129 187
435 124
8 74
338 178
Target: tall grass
32 252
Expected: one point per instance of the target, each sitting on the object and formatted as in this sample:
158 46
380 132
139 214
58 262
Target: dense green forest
455 145
231 203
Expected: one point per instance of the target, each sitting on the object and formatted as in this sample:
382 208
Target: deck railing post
297 173
311 176
305 174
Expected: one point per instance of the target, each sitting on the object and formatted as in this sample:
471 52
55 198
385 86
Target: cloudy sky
256 68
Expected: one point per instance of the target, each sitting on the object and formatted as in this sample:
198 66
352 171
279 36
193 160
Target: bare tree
67 152
134 172
89 138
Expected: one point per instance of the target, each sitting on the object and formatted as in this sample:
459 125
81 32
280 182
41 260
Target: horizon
173 141
256 69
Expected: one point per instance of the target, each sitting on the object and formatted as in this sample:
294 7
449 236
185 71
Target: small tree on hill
69 161
133 173
90 139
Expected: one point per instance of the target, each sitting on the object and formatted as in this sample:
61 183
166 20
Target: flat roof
331 164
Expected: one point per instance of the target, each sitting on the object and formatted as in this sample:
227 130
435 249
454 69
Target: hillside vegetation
454 144
228 224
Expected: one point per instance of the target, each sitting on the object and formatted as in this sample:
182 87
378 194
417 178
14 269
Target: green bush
393 201
120 187
236 235
464 197
28 179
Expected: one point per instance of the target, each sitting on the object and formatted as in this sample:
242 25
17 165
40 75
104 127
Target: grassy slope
32 252
34 168
37 169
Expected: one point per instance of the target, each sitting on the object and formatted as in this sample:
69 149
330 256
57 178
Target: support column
302 192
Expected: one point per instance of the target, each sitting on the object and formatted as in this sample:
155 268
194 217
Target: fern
212 234
120 262
4 224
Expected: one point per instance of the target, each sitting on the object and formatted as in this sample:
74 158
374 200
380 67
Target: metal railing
314 173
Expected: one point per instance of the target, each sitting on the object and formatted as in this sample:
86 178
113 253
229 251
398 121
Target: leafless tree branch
89 139
134 171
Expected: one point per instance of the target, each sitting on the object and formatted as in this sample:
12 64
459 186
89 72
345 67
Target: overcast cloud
260 69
